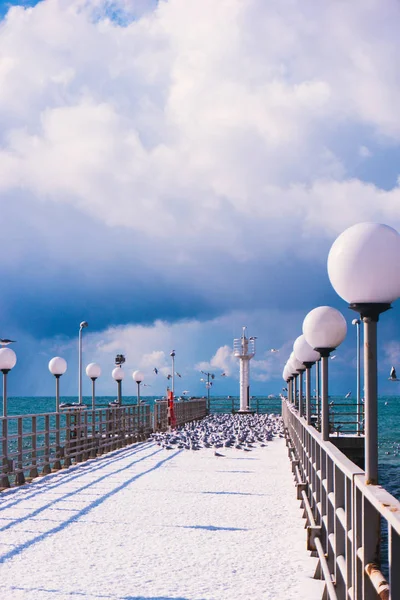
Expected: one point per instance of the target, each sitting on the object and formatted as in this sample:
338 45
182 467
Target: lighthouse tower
244 349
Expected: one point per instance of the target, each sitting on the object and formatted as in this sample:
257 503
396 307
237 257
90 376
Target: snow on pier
151 523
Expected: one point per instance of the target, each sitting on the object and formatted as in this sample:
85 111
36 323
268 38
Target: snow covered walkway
148 523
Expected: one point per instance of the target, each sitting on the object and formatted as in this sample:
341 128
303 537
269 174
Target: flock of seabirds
240 431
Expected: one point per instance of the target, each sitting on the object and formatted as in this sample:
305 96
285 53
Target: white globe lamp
364 264
364 269
308 356
118 375
57 367
138 376
324 329
8 360
93 371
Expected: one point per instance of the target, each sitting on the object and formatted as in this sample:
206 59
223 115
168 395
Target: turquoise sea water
388 411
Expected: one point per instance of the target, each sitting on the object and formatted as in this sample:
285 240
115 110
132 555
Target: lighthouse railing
344 517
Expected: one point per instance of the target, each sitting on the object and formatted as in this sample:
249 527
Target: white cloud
197 119
216 133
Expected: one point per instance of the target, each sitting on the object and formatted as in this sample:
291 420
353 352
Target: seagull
179 375
333 357
6 341
169 376
223 374
274 350
155 370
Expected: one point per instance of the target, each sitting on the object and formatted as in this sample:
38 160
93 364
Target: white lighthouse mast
244 349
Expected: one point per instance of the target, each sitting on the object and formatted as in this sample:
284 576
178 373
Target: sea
388 421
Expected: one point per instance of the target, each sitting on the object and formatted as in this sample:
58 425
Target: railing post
394 571
57 462
19 473
5 482
67 449
34 470
46 466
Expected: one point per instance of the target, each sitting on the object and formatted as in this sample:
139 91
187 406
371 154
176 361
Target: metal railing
40 443
260 405
189 410
344 417
343 517
37 444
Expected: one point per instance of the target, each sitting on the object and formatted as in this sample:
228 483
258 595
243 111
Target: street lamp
93 370
357 323
118 375
57 367
364 269
297 368
81 326
324 329
8 360
305 354
288 378
208 385
172 355
138 376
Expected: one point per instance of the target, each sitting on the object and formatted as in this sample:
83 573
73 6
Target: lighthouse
244 349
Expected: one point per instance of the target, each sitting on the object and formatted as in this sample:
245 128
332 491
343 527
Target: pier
111 514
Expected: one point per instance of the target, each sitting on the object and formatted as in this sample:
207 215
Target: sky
173 171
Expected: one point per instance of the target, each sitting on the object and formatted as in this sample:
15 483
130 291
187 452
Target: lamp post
8 360
317 391
172 355
297 368
364 269
118 375
57 367
93 370
357 323
287 377
81 326
305 354
138 376
208 386
324 329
